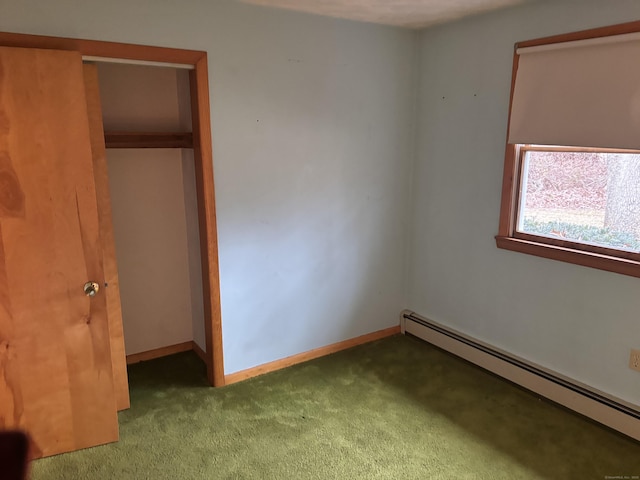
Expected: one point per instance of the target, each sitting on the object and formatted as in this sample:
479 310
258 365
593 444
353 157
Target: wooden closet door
55 362
110 265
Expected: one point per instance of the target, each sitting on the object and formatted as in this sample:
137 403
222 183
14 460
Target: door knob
91 288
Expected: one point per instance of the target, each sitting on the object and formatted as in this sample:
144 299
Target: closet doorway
157 111
154 207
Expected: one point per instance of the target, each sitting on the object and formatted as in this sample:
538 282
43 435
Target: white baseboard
605 409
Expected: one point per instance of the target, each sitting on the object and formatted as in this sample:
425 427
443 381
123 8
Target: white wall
578 321
150 229
312 130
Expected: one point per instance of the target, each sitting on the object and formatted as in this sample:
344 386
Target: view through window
588 197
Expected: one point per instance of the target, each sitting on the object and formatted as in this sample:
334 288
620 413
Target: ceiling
400 13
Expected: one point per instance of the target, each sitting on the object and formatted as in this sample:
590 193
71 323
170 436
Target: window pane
585 197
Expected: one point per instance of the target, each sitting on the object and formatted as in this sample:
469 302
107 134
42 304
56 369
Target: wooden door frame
203 154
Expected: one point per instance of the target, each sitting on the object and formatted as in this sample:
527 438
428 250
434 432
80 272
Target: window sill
569 255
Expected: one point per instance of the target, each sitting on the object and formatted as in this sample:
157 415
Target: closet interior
146 115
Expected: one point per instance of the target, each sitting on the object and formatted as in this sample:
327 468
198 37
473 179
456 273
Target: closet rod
148 140
92 58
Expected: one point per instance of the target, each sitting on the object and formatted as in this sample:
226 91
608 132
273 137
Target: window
581 203
580 198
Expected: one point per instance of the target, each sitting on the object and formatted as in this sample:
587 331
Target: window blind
584 93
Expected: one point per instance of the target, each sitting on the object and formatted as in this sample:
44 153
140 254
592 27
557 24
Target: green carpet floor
393 409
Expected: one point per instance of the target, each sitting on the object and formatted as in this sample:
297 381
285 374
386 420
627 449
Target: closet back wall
154 208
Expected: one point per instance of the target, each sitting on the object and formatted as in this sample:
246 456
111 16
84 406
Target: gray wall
312 139
578 321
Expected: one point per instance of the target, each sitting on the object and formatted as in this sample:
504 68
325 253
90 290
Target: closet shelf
148 140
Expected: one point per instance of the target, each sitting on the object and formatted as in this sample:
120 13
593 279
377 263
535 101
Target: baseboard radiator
602 408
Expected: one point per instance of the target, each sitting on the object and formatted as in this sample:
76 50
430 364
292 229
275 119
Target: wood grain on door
56 379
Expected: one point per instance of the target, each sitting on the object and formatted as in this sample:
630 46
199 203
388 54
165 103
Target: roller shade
584 93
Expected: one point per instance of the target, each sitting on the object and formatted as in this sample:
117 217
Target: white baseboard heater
598 406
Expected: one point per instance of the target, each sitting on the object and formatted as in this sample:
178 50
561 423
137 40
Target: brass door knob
91 288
